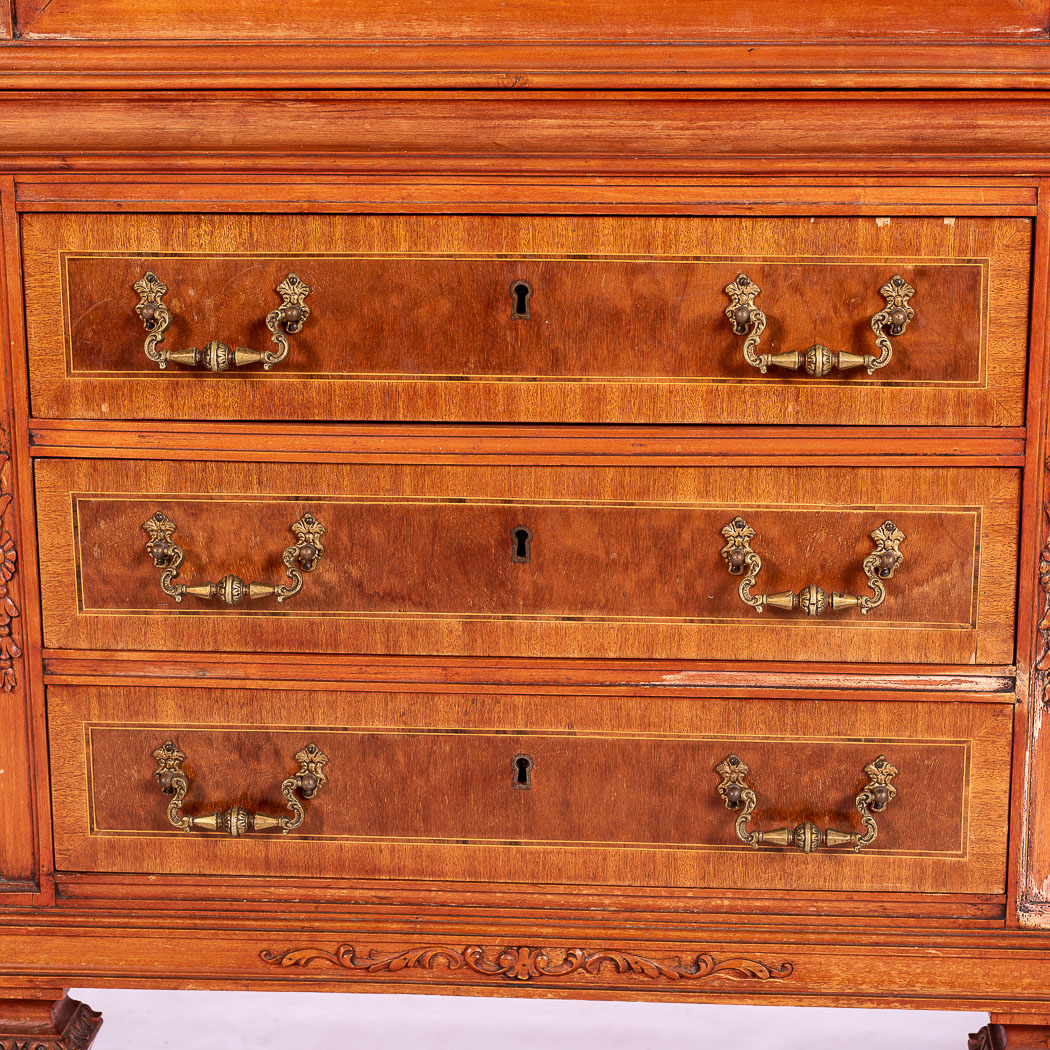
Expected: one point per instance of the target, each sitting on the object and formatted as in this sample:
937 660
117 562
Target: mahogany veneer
622 562
461 814
492 734
626 317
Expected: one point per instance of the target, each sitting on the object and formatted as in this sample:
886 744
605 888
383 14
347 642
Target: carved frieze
526 964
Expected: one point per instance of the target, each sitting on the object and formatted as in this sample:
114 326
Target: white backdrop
276 1021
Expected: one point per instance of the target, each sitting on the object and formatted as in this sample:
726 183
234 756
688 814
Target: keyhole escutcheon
520 544
522 767
520 294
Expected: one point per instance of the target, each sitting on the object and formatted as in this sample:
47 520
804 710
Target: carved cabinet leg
46 1021
1009 1032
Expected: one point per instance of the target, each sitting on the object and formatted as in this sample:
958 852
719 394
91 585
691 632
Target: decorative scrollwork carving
527 963
1043 655
9 612
73 1027
994 1037
82 1028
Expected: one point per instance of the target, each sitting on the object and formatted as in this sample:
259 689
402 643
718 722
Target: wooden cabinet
532 501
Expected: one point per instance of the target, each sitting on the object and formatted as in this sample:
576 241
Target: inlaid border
868 623
879 743
733 261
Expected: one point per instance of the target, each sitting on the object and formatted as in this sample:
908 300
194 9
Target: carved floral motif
1043 660
9 613
524 964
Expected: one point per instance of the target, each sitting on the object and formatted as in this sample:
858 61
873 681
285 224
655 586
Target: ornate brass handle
236 821
287 319
307 551
880 565
876 795
818 360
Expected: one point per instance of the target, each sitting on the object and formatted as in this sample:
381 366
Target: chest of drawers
551 513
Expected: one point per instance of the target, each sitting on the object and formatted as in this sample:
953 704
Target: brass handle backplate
740 798
302 556
236 821
287 319
880 565
747 320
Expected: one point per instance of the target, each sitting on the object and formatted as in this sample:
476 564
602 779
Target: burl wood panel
623 561
623 789
532 21
413 317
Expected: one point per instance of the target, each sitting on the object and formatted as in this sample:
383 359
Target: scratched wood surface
623 789
389 21
623 562
626 317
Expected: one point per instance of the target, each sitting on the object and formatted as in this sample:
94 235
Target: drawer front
523 318
620 790
521 560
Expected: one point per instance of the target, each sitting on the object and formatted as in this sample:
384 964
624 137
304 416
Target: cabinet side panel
18 868
1032 765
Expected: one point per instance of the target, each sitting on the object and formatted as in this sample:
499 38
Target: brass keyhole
520 294
520 544
522 766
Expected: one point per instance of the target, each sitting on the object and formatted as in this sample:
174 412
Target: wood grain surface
21 720
623 790
623 562
974 972
585 194
89 65
627 317
567 445
394 21
861 134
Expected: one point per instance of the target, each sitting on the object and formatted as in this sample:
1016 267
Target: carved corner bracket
63 1025
529 963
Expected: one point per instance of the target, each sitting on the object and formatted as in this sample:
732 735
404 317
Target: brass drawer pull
880 565
301 557
287 319
876 795
236 821
818 360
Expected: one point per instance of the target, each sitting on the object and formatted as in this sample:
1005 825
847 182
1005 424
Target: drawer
617 790
528 318
531 560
